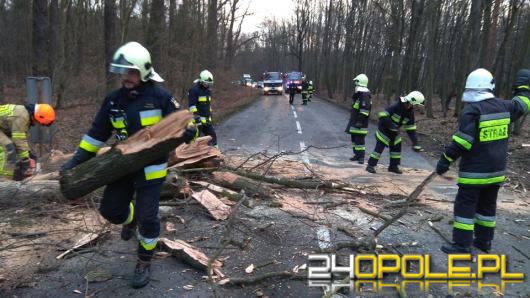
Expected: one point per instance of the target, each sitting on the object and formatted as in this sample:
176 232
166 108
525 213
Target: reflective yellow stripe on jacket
155 171
150 117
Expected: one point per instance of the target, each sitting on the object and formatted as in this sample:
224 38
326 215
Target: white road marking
292 108
295 115
324 239
298 127
304 154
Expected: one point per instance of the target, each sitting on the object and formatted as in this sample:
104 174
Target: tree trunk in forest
40 38
110 39
211 34
155 33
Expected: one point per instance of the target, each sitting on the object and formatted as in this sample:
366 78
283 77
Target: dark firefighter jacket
391 119
126 112
199 103
360 113
482 139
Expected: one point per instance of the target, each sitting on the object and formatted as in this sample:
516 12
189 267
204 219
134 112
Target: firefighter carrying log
482 144
200 104
400 113
15 121
359 118
138 104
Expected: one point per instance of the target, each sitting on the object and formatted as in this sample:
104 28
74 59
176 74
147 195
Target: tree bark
40 39
156 30
128 157
211 34
110 38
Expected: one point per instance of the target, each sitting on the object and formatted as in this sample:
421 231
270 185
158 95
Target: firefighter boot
128 231
395 169
358 158
142 274
455 249
370 169
483 245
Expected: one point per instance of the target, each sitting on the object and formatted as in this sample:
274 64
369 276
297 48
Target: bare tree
40 38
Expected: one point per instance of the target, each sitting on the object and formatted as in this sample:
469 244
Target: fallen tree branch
373 213
262 277
411 198
439 232
287 182
236 182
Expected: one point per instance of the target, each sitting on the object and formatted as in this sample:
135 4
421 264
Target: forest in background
401 44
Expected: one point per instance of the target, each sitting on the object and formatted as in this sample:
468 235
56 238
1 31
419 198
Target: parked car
272 83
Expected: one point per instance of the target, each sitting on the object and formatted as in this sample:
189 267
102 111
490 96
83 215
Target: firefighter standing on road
401 113
482 143
292 92
199 103
310 89
360 116
305 91
15 121
138 104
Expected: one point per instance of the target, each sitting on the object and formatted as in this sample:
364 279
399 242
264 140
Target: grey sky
266 8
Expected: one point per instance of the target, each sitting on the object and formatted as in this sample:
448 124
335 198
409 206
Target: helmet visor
208 81
121 66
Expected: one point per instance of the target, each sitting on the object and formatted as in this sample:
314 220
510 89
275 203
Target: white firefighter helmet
414 98
480 79
206 77
133 55
361 80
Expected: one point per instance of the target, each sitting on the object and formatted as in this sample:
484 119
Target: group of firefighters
480 142
307 91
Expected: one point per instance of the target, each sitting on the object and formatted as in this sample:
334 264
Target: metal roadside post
39 134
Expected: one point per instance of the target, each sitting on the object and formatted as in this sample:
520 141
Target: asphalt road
271 125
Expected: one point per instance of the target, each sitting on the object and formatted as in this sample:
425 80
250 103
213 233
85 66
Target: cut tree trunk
13 193
216 207
190 254
126 158
190 155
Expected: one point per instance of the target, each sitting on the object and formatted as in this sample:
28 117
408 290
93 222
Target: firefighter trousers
116 207
383 141
8 157
291 97
358 145
208 130
474 211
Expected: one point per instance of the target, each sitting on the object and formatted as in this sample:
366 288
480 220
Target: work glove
442 166
80 156
417 148
21 167
197 120
190 134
